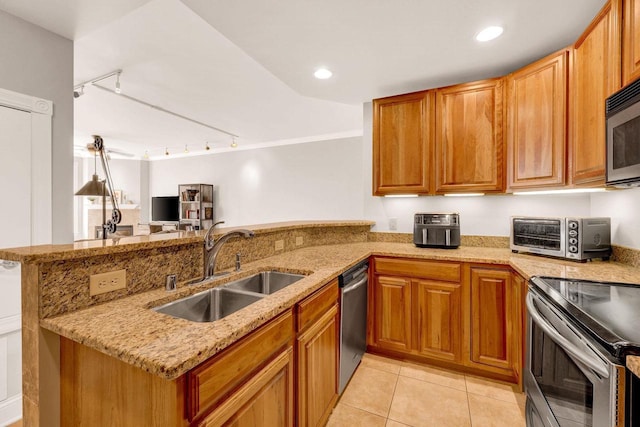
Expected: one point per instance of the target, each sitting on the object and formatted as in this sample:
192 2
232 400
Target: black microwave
623 136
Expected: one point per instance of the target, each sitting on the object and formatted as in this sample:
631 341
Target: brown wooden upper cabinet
595 76
469 148
630 41
536 123
402 129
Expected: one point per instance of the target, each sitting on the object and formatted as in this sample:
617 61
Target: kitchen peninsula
118 327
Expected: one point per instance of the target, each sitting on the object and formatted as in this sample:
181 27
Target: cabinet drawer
315 305
434 270
216 377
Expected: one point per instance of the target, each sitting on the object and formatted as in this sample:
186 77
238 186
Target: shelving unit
196 206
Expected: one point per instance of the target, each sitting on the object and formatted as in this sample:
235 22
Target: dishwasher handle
354 286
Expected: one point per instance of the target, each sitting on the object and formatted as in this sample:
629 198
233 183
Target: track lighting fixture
234 144
206 146
166 151
118 90
77 93
186 150
146 154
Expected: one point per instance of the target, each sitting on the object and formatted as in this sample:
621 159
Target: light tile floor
388 393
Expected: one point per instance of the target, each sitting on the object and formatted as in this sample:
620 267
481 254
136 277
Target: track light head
77 93
118 90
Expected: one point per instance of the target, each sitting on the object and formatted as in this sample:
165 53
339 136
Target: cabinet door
536 123
595 76
492 319
630 41
393 313
469 148
439 320
318 370
402 133
264 401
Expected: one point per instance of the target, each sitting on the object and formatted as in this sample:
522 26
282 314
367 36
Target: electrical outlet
279 245
299 241
393 224
107 282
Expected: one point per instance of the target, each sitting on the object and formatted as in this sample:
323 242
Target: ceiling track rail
155 107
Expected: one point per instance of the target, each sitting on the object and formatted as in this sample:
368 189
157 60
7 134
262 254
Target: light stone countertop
168 347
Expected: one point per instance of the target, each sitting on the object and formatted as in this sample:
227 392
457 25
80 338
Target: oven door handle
562 341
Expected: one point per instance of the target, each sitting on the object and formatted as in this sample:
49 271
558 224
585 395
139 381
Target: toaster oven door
538 235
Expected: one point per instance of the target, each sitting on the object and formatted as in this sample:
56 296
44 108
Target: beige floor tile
421 404
381 363
391 423
348 416
434 375
487 412
370 390
493 389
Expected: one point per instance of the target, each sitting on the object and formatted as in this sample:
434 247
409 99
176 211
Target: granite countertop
168 347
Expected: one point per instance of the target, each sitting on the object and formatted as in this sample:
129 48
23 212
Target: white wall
623 207
39 63
319 180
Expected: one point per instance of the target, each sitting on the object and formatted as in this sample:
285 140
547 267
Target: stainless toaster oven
577 239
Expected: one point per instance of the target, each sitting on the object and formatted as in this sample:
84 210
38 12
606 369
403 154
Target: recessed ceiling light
489 33
323 73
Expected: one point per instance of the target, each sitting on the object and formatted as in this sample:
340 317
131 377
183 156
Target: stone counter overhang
168 347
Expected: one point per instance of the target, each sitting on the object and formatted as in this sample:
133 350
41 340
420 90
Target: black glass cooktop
610 312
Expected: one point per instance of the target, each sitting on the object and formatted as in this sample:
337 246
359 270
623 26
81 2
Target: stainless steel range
579 334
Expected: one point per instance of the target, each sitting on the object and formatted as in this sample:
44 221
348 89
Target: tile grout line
393 395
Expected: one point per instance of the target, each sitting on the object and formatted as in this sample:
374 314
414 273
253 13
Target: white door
15 230
15 177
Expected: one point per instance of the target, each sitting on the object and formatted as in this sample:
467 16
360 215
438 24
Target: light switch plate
107 282
279 245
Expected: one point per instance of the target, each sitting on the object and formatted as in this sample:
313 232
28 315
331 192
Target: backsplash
64 284
472 241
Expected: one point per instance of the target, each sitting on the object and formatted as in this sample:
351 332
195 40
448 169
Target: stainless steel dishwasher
353 320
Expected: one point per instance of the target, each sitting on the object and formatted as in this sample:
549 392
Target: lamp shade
94 187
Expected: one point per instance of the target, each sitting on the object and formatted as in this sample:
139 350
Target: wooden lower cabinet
469 319
493 320
439 325
393 319
265 400
318 369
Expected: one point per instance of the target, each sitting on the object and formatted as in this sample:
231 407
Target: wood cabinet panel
536 123
393 313
211 381
99 390
469 148
630 41
595 75
439 322
317 304
436 270
402 134
265 400
492 318
318 359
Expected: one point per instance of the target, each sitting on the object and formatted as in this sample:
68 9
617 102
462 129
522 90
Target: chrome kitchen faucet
211 248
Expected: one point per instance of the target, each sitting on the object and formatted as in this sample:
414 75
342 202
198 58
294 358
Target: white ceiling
246 66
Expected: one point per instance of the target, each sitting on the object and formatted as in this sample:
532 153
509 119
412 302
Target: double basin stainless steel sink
216 303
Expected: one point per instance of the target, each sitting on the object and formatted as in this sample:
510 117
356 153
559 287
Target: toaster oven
577 239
